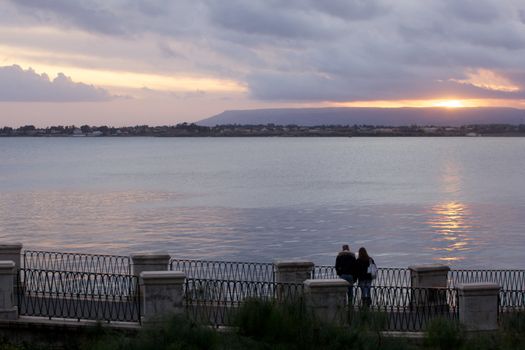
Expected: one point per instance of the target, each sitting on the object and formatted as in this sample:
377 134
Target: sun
449 104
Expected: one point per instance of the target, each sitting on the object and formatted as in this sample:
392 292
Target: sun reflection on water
449 222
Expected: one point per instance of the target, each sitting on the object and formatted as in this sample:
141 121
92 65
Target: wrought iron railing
215 301
78 295
59 261
225 270
512 301
386 276
409 309
511 311
508 280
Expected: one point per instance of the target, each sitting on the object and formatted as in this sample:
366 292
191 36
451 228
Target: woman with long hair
363 276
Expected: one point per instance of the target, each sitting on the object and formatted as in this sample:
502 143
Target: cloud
94 16
303 50
17 84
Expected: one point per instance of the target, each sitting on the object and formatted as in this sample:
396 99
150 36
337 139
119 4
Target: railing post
163 293
11 252
432 279
291 271
478 306
149 262
8 308
327 298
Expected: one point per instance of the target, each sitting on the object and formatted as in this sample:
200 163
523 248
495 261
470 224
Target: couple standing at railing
361 269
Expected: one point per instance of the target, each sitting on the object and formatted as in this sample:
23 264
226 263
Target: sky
162 62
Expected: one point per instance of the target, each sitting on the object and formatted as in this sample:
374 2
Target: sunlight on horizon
450 104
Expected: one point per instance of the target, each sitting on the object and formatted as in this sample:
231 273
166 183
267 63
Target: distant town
194 130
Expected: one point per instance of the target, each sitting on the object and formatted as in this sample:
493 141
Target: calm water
408 200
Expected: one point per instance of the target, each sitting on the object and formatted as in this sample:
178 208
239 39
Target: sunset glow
450 104
447 103
115 65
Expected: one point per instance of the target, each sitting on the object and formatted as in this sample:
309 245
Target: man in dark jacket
345 267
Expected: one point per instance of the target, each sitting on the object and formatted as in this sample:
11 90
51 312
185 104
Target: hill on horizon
438 116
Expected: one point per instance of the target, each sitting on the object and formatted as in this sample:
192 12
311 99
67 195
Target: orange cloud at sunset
489 80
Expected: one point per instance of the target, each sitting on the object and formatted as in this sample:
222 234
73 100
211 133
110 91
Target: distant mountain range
438 116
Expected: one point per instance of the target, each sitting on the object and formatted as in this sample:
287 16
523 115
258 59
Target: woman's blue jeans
365 287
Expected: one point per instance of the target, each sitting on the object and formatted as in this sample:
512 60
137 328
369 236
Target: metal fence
509 280
78 295
386 276
512 301
58 261
89 286
225 270
410 309
215 302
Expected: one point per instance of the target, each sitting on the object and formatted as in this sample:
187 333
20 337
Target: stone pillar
149 262
11 252
163 293
327 298
8 308
291 271
429 276
431 282
478 306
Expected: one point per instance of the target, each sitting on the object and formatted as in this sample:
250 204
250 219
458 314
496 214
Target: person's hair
346 247
363 254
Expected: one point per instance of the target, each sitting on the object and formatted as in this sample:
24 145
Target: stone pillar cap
478 286
150 255
293 263
429 267
7 265
11 245
162 277
162 274
326 283
150 259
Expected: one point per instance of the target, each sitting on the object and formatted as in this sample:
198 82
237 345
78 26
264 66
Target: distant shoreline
268 130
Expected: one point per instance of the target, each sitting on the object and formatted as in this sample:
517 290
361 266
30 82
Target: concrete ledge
57 333
34 322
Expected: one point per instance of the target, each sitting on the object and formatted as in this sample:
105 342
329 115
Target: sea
408 201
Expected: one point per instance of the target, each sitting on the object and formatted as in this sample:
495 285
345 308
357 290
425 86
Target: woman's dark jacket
362 268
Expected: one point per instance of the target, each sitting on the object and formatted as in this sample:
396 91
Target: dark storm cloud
91 16
352 9
119 18
478 11
17 84
310 50
521 14
258 18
